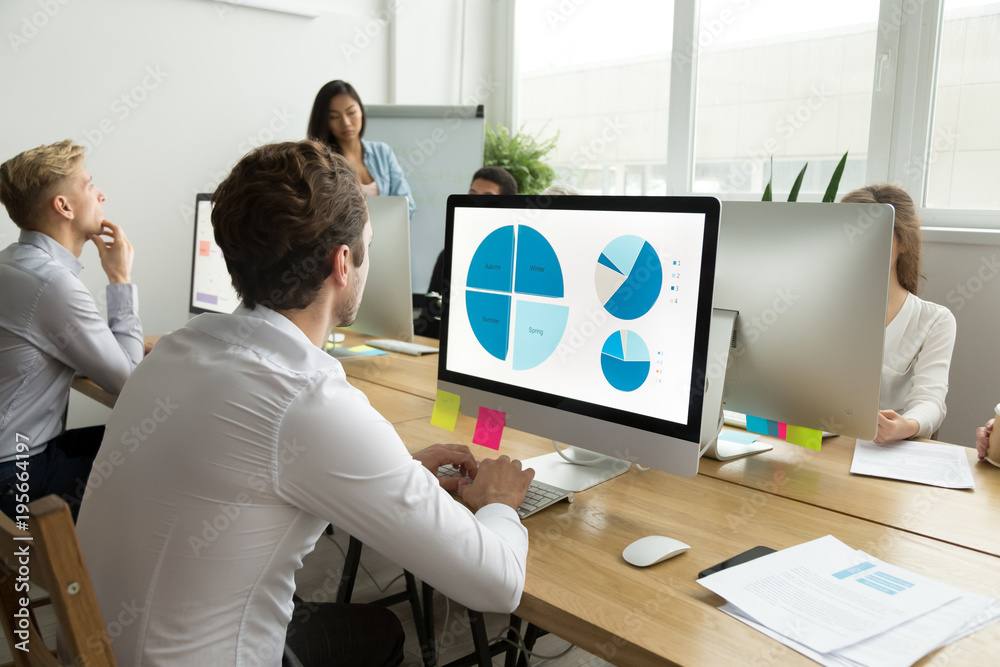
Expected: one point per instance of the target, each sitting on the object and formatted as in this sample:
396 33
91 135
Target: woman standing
919 335
338 120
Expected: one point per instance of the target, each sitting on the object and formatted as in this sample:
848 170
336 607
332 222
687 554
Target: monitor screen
594 306
211 287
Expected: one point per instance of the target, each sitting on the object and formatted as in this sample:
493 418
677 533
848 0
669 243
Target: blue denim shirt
382 164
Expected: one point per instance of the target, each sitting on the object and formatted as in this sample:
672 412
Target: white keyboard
540 495
390 345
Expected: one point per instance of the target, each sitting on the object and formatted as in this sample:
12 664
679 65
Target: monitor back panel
810 282
387 304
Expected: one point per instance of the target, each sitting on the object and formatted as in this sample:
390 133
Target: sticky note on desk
489 428
446 409
367 350
737 436
805 437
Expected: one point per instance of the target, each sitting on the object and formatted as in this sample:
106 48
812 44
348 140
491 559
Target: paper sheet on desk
826 595
903 645
921 462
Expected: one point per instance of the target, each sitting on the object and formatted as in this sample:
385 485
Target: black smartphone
747 555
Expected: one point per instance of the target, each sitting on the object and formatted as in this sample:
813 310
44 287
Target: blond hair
906 227
26 179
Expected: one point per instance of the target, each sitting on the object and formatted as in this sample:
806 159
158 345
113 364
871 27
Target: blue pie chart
509 263
628 277
625 360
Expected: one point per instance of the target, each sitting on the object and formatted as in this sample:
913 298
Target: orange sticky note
804 437
446 409
489 428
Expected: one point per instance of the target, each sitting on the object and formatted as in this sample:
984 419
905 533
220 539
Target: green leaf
770 179
794 194
831 190
522 155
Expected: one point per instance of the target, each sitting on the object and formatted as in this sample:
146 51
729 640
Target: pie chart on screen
628 277
625 360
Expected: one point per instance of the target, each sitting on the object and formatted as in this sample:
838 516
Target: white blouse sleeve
925 401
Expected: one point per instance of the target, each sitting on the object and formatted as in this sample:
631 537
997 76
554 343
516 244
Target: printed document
921 462
827 596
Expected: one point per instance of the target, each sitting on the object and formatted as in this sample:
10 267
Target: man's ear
339 259
61 205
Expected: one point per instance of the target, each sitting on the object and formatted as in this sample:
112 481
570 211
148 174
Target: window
601 78
964 161
774 80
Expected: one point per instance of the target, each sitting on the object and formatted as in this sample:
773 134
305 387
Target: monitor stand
587 468
719 343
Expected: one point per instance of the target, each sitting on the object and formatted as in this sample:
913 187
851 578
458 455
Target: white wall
203 83
963 273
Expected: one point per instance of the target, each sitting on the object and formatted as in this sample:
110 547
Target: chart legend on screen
510 262
628 277
625 360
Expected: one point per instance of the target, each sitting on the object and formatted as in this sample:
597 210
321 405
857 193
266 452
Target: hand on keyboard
497 480
538 497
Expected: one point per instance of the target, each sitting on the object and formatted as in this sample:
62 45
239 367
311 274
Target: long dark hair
319 119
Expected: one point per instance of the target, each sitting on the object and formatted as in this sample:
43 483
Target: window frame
903 96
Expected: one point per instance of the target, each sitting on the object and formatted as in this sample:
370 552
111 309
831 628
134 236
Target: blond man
50 329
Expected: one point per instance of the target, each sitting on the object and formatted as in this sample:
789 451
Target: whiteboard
439 148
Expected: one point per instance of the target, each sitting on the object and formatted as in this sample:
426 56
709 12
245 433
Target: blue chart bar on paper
628 277
538 328
489 315
625 360
492 266
538 271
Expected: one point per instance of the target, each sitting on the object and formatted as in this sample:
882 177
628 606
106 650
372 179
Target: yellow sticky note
445 409
804 437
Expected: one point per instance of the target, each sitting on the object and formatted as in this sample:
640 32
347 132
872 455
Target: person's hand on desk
983 439
497 481
893 426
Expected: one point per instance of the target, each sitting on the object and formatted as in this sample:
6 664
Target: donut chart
628 277
625 360
509 262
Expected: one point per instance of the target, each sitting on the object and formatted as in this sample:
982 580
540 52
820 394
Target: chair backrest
50 557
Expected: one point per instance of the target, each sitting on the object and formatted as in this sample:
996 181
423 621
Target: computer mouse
652 549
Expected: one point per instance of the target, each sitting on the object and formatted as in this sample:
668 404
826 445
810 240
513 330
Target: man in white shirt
239 439
50 329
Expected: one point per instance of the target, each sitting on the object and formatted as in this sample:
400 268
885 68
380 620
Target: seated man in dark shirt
486 181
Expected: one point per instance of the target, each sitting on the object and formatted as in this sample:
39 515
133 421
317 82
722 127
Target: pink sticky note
489 428
204 248
782 430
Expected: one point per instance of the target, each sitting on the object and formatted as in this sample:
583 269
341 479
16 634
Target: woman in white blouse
919 335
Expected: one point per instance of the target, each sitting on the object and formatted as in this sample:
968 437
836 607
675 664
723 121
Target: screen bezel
197 310
707 206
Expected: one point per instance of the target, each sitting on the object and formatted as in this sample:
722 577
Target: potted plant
522 155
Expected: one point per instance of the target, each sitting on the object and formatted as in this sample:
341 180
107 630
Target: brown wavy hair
906 228
279 214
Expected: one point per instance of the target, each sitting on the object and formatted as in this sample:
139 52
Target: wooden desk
963 517
579 587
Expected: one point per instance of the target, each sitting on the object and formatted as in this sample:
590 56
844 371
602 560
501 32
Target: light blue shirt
50 330
382 164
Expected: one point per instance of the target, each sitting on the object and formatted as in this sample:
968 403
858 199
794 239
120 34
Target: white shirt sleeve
351 468
69 327
925 401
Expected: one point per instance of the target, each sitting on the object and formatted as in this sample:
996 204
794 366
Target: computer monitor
810 283
211 285
387 305
584 319
387 308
